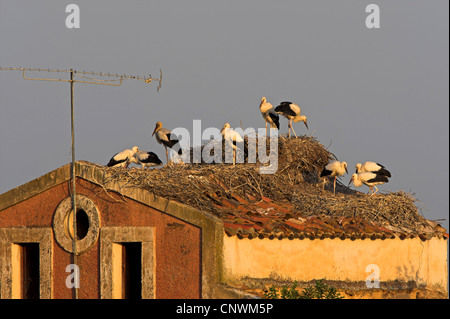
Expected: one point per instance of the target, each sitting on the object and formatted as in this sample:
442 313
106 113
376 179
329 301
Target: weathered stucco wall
424 262
177 251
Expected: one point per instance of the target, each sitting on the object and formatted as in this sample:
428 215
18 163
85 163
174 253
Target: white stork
334 169
369 179
269 115
166 138
372 167
292 112
147 159
232 137
124 158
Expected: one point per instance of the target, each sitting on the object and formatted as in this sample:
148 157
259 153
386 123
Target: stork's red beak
306 124
154 131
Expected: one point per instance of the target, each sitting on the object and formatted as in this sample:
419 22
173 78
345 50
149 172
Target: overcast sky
369 94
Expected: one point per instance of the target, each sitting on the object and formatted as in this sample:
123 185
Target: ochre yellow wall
425 262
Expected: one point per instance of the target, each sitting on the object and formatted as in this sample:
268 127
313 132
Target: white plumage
165 137
292 112
334 169
372 167
269 115
146 159
369 179
124 158
232 138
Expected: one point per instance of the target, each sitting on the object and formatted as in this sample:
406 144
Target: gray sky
373 94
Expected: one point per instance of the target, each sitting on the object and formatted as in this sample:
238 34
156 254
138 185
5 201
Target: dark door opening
132 270
28 285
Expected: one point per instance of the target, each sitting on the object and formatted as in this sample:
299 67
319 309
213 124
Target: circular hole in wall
82 224
88 224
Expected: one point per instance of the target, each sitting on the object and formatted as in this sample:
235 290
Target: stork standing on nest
372 167
232 137
334 169
165 137
369 179
146 159
269 115
124 158
292 112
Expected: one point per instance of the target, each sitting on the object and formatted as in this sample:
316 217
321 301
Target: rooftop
288 204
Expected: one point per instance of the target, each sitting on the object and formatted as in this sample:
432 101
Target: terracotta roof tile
265 218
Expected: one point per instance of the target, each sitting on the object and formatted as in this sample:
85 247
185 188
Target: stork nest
296 182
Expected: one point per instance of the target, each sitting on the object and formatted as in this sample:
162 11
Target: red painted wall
177 248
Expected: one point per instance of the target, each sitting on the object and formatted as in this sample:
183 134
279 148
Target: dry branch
296 181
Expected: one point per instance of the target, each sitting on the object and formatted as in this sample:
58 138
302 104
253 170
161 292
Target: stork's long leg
234 157
289 128
293 130
167 154
266 128
334 188
375 190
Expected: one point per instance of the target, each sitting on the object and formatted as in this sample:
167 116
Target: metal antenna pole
116 77
74 205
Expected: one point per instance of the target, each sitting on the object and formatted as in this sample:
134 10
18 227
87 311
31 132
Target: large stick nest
296 182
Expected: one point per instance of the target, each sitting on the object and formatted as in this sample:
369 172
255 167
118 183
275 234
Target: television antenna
100 78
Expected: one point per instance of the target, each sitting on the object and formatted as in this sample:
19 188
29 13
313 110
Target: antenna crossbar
118 77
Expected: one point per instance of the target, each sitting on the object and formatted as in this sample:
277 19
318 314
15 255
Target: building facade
131 243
